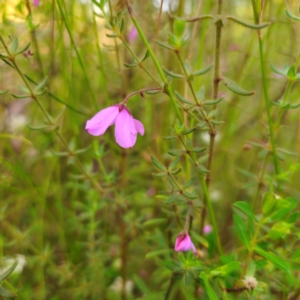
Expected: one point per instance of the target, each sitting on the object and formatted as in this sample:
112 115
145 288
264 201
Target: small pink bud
207 229
184 243
36 2
132 34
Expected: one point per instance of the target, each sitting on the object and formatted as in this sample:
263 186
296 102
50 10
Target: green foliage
91 220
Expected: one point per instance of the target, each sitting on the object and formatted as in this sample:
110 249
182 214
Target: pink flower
36 2
126 127
132 34
184 243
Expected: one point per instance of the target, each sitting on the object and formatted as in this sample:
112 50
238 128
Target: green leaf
158 252
208 288
172 74
159 175
59 154
170 137
20 96
174 163
41 84
252 26
189 182
278 71
112 35
141 284
269 204
291 74
5 274
24 89
183 99
216 122
179 27
197 150
3 92
188 131
14 45
7 294
234 87
241 230
291 16
24 48
200 239
280 230
164 45
190 195
176 152
202 71
283 207
246 208
156 221
226 269
158 164
276 260
202 169
175 172
146 56
213 102
122 25
42 127
130 66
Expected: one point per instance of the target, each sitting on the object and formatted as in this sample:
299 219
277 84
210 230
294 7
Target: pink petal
184 243
102 120
125 130
139 127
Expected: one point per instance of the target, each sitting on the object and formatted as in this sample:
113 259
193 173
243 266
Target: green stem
77 54
140 64
48 118
155 61
252 245
210 125
103 82
212 133
139 92
257 17
208 201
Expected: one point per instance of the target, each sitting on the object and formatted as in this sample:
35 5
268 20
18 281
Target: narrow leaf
183 99
241 230
231 85
5 274
202 71
246 208
292 16
172 74
14 45
279 262
174 162
24 48
208 288
278 71
252 26
158 164
164 45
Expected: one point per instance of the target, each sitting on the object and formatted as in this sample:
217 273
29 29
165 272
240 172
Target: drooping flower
126 127
184 243
36 2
